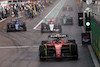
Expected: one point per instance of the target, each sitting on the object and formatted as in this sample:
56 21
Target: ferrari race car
67 8
16 26
58 48
67 20
50 26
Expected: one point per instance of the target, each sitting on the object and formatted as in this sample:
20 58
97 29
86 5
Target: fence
95 29
95 26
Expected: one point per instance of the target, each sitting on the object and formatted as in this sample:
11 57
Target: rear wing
50 20
13 20
47 20
57 36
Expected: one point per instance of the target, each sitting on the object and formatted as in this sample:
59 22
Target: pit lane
28 57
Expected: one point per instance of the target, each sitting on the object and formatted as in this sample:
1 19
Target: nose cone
58 52
58 55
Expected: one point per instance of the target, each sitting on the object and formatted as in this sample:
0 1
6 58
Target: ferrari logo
57 47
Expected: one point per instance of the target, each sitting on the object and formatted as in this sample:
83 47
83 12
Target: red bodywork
57 46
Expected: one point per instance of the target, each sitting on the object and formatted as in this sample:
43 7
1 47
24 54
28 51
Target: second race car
67 20
58 48
50 26
16 26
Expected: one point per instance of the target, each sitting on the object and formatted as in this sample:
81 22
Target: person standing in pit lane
0 15
6 12
38 10
3 16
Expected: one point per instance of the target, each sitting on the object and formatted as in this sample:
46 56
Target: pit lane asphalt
28 57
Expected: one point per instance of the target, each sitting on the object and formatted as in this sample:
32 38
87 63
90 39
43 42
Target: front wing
13 29
48 30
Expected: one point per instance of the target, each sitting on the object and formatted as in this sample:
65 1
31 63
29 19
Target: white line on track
95 60
59 10
3 20
45 16
13 47
20 47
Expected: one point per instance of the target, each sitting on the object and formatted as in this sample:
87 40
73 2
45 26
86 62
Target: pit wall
95 29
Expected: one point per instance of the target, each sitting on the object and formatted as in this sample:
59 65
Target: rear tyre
74 51
32 16
7 30
72 41
24 26
25 29
8 26
42 28
72 20
60 28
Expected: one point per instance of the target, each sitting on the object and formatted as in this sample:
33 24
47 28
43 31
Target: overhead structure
89 1
15 3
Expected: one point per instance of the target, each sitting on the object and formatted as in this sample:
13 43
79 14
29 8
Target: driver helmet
16 21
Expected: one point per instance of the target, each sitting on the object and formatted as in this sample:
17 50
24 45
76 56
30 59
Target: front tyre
42 28
25 29
42 52
60 29
74 51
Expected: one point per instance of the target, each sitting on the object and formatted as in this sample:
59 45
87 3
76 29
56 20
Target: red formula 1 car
58 48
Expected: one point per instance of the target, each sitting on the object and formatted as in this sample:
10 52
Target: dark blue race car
16 26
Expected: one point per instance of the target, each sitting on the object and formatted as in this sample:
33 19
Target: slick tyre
72 41
7 30
74 51
60 28
24 26
43 42
42 28
25 29
42 52
8 27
